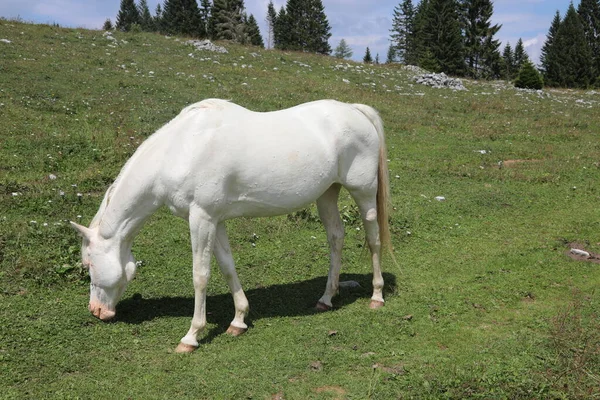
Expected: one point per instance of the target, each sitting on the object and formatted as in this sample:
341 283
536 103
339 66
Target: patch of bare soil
578 252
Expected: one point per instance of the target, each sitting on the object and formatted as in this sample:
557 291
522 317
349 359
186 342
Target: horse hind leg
222 252
367 204
330 216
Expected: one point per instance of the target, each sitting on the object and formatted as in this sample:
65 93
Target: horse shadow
284 300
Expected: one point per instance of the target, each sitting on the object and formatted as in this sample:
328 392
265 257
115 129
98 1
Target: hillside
486 301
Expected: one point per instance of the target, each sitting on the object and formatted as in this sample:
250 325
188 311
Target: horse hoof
322 307
235 331
185 348
375 304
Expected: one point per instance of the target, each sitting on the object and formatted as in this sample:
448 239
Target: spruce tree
508 62
403 31
205 7
589 12
146 20
391 54
575 62
442 37
529 77
108 26
520 56
550 59
127 16
228 19
342 50
481 49
320 30
271 18
281 30
158 18
367 59
304 28
182 17
254 32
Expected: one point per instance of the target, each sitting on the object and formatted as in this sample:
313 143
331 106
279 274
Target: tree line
299 25
219 19
458 38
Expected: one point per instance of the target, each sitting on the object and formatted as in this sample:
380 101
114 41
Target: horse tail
383 180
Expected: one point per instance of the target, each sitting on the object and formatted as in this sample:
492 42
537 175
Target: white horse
216 161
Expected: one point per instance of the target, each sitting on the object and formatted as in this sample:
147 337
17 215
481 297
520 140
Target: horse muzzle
101 311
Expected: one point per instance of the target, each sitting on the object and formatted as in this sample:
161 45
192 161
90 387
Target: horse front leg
203 232
227 266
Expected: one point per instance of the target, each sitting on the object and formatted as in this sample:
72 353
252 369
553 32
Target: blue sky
361 23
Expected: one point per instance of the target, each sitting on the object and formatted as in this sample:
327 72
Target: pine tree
575 61
367 59
550 59
254 32
127 16
308 28
508 62
520 56
281 30
205 8
442 37
108 26
158 18
529 77
271 19
146 20
391 55
402 32
481 49
182 17
589 12
342 50
228 20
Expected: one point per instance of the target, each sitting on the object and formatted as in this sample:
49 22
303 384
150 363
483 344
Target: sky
361 23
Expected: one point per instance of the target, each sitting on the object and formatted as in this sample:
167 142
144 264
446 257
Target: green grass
485 303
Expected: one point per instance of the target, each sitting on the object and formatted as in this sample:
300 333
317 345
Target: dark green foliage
391 54
158 18
529 77
442 38
342 50
367 58
205 7
589 12
574 55
481 49
146 20
403 33
182 17
254 32
549 58
108 26
271 19
520 56
304 27
128 15
508 62
228 21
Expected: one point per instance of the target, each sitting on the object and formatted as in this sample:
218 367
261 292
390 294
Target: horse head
111 267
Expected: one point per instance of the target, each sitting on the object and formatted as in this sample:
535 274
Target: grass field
486 302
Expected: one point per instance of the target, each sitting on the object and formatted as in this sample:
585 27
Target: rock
439 81
207 45
579 252
440 198
5 41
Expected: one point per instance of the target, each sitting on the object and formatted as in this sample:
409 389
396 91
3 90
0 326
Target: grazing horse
216 161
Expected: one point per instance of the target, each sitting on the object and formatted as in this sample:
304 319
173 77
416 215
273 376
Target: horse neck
125 208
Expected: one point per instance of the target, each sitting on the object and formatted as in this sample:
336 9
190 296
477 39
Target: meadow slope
486 302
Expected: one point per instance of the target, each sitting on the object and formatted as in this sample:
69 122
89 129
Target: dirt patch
578 252
335 390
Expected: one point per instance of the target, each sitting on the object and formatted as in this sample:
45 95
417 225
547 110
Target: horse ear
82 230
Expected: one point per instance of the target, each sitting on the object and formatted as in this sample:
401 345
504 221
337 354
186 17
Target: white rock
578 252
5 41
440 198
52 177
